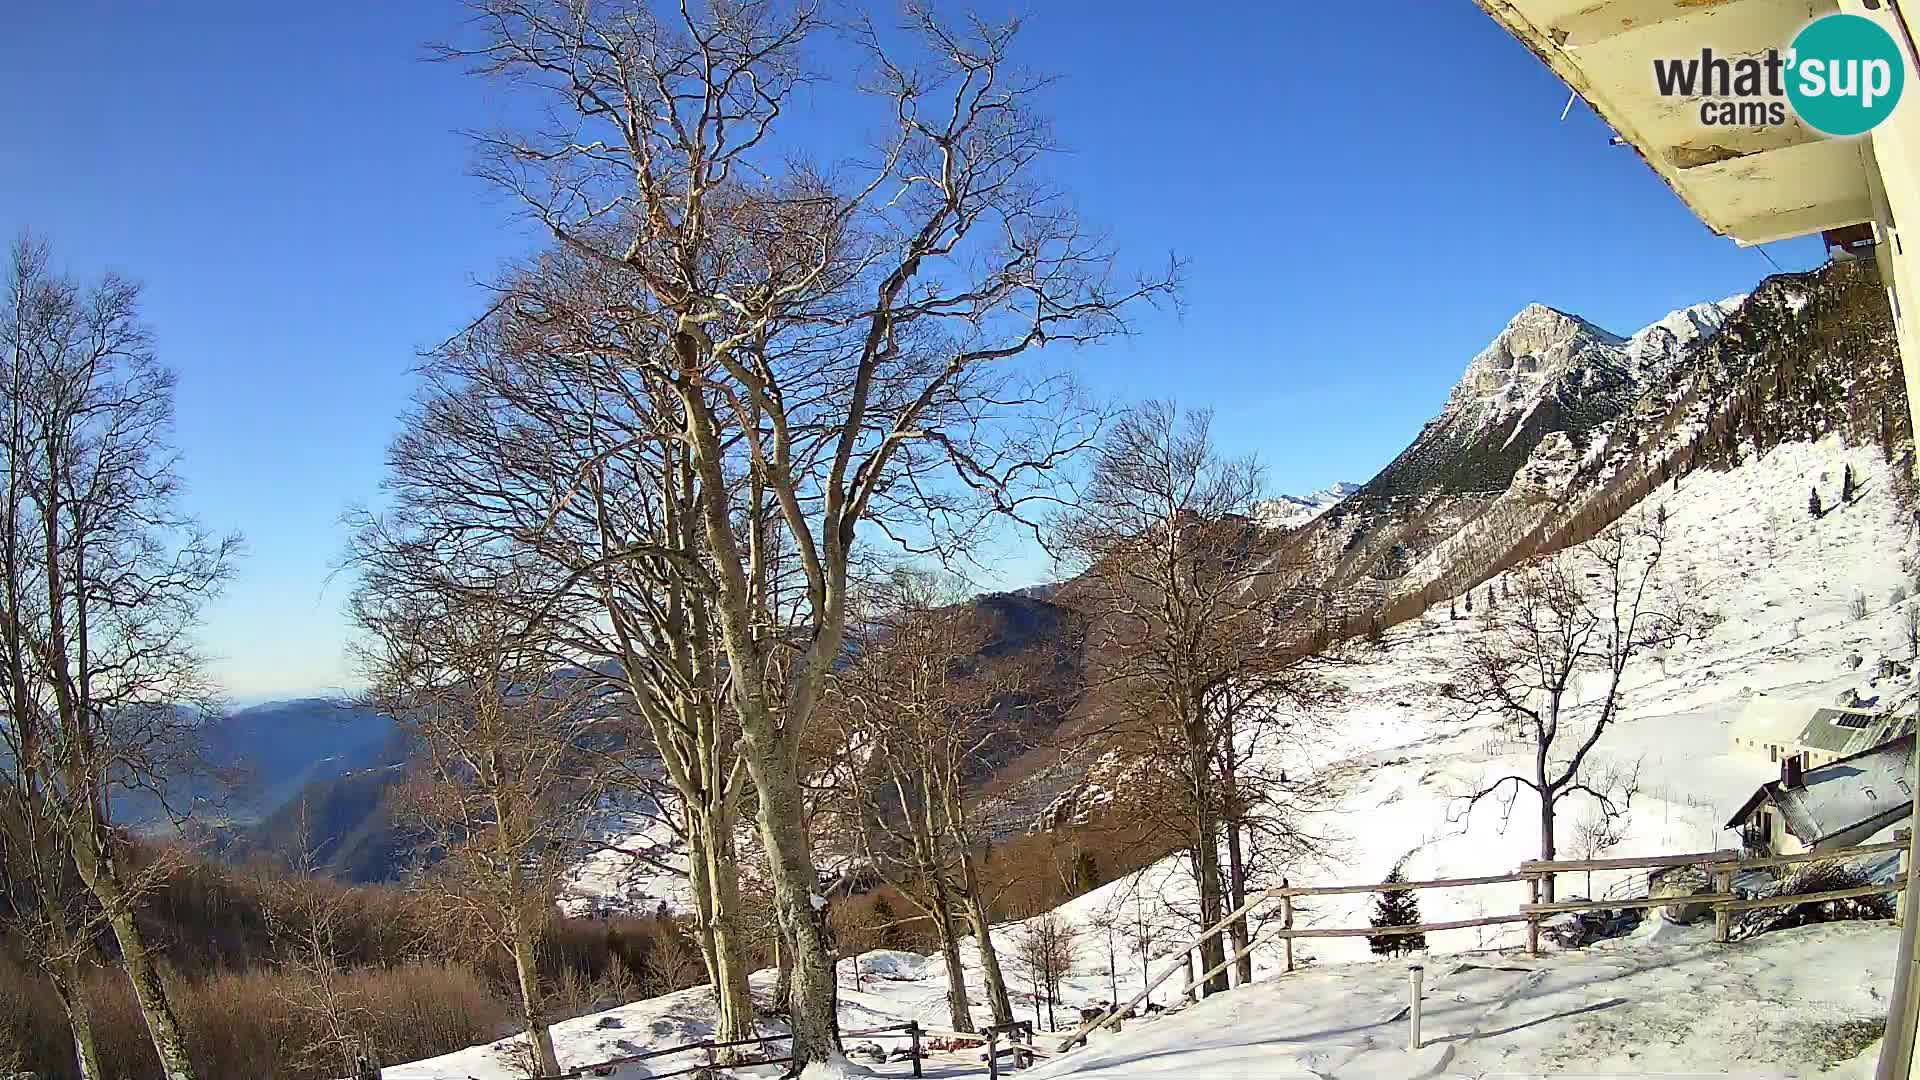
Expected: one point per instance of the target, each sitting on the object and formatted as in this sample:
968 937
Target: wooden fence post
1722 914
913 1031
1533 920
993 1053
1900 898
1286 919
1192 991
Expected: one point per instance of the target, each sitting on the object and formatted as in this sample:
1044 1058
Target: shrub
236 1027
1857 607
1813 878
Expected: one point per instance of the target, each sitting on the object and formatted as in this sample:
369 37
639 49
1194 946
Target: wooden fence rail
1720 866
1021 1041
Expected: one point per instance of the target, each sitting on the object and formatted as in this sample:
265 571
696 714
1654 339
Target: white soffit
1752 184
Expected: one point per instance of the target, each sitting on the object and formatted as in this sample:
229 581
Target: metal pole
1414 975
1896 1053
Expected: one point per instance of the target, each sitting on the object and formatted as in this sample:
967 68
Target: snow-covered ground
1791 1003
1783 585
641 865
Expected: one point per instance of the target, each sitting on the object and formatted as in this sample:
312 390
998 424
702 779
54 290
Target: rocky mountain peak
1539 346
1293 511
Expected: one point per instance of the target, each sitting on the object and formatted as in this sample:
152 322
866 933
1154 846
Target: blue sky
1365 192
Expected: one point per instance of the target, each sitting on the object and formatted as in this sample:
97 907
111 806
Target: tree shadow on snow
1469 1036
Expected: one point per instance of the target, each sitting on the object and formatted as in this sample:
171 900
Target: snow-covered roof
1832 729
1871 786
1754 184
1771 719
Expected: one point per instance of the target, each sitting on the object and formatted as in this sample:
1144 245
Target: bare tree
106 580
534 440
835 336
1598 832
924 706
1049 948
1208 686
49 914
502 770
304 919
1552 664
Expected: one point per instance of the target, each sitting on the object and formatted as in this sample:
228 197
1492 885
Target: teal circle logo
1846 74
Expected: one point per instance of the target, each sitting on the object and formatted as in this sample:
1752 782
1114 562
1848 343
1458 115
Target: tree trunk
1546 846
532 1009
730 981
959 1008
73 1001
102 875
797 903
998 1000
1206 853
700 885
1548 796
783 977
1237 899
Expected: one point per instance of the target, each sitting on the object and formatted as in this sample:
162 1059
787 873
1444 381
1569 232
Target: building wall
1896 153
1782 841
1774 751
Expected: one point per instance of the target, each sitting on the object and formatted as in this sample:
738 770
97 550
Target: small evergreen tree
1452 611
1813 503
1846 484
1398 908
1469 601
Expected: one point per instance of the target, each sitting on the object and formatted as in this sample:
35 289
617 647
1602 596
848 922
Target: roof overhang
1754 184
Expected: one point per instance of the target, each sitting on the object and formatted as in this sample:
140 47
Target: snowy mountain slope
1293 511
1558 424
1784 585
1667 1001
1624 1008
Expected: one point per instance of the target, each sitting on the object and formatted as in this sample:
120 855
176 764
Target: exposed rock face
1293 511
1538 348
1685 881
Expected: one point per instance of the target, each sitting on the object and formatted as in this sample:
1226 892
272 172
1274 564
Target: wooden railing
1721 866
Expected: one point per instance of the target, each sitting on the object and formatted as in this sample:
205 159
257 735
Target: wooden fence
1022 1044
1720 866
1016 1040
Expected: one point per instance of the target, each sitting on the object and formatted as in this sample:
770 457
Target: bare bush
1814 878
